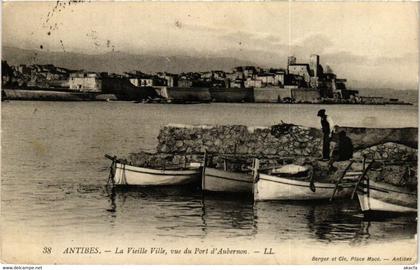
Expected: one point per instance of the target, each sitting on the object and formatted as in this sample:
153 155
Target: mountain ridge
120 62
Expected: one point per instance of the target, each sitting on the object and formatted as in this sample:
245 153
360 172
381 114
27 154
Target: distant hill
119 62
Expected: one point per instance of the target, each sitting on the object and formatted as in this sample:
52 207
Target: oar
110 157
361 178
341 178
115 159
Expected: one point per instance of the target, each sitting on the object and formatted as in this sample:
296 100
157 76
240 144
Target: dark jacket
326 129
344 149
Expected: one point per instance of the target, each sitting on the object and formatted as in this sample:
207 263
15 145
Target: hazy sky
364 42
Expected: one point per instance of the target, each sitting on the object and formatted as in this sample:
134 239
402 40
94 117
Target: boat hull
131 175
269 187
215 180
383 199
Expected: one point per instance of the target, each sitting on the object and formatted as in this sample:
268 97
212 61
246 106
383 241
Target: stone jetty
181 144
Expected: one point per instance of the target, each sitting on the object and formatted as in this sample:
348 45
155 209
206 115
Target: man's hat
321 112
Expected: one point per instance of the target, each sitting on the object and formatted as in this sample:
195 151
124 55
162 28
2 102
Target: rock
163 148
307 152
242 149
203 149
208 143
218 142
284 140
303 145
357 155
377 156
298 152
188 142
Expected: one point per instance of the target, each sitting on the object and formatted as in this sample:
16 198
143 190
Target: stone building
250 83
312 76
301 70
169 79
142 82
185 83
85 82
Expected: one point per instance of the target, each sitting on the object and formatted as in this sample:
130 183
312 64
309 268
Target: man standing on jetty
327 130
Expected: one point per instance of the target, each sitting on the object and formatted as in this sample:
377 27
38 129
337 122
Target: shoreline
60 95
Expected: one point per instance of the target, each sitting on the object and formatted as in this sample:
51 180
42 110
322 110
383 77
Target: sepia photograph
209 133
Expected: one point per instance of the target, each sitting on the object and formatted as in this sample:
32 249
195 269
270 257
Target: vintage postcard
209 132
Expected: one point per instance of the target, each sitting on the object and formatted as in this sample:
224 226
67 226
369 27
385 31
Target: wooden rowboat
270 187
293 186
216 180
380 197
124 174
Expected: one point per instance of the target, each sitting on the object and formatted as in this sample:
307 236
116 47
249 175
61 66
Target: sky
371 44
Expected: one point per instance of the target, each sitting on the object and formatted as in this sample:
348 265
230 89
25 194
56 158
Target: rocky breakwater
286 140
389 152
283 140
397 164
366 137
235 146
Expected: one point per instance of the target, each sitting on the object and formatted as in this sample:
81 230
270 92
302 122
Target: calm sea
54 173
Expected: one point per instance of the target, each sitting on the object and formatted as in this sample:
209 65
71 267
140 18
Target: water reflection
180 212
166 212
228 217
390 228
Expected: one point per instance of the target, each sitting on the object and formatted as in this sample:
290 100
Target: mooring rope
112 169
